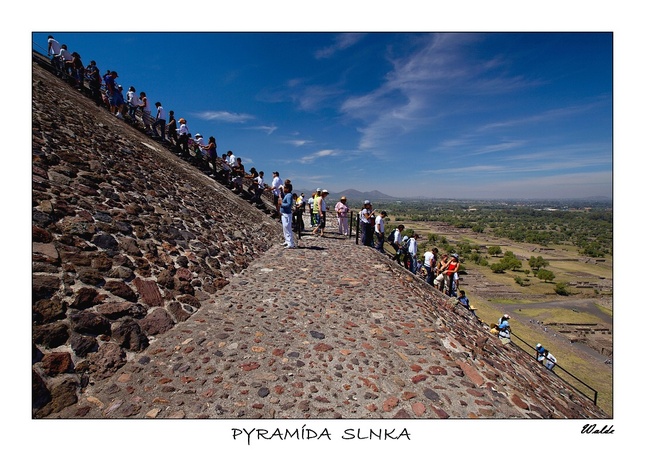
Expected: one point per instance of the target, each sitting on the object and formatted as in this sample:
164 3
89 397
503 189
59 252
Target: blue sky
456 115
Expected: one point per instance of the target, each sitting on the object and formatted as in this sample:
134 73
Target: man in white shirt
379 230
53 49
232 161
275 186
398 243
430 262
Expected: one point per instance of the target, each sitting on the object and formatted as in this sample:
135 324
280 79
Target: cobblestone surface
328 330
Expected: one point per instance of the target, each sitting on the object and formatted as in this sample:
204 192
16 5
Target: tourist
64 57
145 112
238 176
368 220
210 152
172 131
322 213
342 213
379 230
540 353
132 101
275 187
504 328
452 276
463 300
286 205
397 242
78 70
412 253
259 188
430 263
160 121
182 139
550 360
53 50
94 76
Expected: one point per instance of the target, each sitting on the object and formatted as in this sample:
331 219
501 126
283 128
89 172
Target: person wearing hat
182 138
368 220
342 212
160 121
198 144
540 352
322 213
379 231
504 328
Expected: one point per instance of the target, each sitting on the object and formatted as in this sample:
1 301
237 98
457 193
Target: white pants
286 229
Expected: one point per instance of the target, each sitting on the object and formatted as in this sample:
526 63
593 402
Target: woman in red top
451 275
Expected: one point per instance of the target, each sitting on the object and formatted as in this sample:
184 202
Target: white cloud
268 129
298 142
316 155
224 116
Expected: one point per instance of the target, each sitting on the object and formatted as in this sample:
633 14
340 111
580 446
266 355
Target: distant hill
355 195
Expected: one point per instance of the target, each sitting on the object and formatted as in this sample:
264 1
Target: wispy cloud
298 142
415 91
268 129
224 116
316 155
550 115
342 42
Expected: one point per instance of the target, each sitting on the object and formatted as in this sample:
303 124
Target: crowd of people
138 110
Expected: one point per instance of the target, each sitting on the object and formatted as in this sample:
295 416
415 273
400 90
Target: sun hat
325 191
182 120
367 202
343 198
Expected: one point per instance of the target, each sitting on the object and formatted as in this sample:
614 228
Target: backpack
390 237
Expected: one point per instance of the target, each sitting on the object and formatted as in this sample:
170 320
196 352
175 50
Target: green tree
494 250
561 289
545 275
510 261
497 268
537 262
